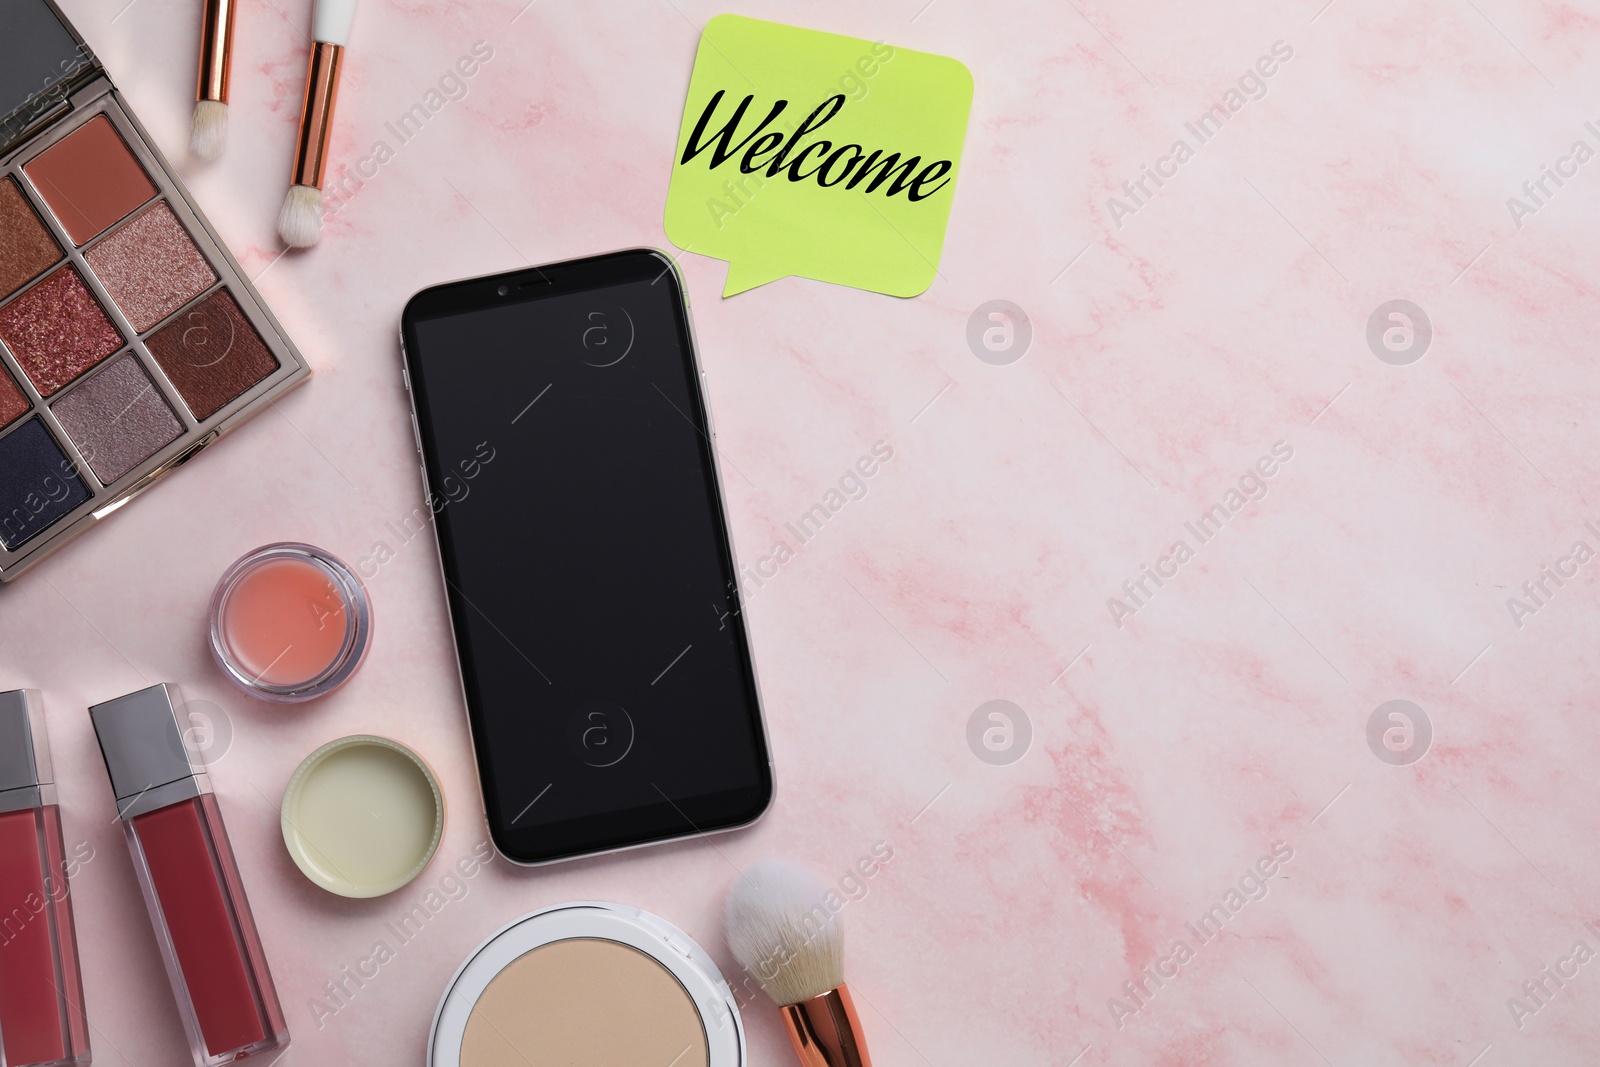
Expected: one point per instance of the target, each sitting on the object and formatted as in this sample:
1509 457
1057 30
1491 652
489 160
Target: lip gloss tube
189 878
41 988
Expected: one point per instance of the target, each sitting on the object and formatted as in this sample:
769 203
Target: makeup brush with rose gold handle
300 222
781 930
208 132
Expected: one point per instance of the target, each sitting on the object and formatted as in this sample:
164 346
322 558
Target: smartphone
570 466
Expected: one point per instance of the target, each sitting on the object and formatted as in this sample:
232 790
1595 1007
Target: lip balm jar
290 622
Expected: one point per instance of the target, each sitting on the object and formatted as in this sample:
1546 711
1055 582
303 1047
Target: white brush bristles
300 223
209 133
781 930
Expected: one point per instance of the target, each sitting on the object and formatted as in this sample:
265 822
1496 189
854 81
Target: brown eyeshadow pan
13 405
26 248
90 180
150 266
57 330
211 354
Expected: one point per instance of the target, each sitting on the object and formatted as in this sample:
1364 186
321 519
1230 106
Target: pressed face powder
588 1001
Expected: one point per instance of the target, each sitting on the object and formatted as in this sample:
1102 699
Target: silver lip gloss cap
142 740
26 780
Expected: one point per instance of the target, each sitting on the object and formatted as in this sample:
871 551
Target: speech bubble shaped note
809 153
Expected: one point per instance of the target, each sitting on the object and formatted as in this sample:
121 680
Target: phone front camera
503 290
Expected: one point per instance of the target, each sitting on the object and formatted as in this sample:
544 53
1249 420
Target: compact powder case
598 984
130 339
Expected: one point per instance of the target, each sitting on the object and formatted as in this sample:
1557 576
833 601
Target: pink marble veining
1173 345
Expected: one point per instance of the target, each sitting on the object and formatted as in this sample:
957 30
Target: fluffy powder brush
781 930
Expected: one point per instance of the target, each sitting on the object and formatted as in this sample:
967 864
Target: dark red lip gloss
190 881
41 989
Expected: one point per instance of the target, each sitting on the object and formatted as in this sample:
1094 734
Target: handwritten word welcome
832 167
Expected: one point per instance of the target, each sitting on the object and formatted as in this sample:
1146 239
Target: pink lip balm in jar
290 622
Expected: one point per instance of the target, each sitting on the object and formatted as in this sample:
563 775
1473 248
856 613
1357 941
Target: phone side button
705 402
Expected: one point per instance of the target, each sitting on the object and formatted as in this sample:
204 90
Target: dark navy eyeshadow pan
38 484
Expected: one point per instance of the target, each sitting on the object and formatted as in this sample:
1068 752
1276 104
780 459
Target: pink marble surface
1169 353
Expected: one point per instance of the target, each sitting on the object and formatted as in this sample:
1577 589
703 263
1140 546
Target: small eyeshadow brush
209 131
781 930
300 222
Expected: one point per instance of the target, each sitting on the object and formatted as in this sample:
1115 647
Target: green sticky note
819 155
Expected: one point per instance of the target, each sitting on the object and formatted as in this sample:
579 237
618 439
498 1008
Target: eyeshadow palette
129 337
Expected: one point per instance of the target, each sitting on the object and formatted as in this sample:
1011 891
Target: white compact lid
652 935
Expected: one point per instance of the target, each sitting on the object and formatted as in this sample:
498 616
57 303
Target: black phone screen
586 558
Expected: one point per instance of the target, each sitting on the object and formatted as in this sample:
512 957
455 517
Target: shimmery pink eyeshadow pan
150 266
57 330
